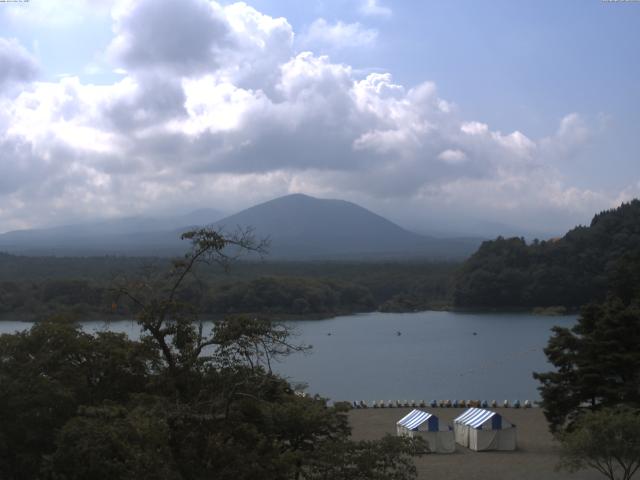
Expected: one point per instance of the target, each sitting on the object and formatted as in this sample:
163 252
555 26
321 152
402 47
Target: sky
444 116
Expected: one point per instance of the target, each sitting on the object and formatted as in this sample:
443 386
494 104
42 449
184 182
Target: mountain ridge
304 227
300 227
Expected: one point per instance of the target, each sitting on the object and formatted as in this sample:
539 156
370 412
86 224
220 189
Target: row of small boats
442 404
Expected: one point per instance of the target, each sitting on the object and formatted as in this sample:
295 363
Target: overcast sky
436 114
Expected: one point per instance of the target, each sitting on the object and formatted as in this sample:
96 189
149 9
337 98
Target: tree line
278 289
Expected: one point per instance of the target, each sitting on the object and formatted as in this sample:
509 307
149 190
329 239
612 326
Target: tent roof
414 419
475 417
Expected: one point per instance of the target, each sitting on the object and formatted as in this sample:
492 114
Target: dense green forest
34 288
570 271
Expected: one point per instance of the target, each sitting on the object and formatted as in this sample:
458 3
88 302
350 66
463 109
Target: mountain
568 271
484 229
299 228
303 227
130 235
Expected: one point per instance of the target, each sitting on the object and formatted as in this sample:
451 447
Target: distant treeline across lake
33 288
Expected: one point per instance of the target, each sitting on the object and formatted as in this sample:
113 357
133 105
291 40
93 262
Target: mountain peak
302 226
299 227
296 196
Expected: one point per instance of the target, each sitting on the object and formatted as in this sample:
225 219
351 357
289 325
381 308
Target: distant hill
569 271
299 227
130 235
303 227
486 229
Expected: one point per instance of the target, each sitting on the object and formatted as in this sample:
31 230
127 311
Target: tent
480 429
423 424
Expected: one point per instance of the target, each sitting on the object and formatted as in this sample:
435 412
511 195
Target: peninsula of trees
570 271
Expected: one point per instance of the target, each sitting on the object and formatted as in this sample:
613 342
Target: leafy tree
607 440
171 324
597 361
46 373
230 408
111 442
182 403
387 459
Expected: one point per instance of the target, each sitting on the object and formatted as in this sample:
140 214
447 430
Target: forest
569 272
34 288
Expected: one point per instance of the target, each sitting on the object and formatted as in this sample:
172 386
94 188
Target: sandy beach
535 458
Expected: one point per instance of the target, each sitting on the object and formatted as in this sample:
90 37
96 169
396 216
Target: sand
535 458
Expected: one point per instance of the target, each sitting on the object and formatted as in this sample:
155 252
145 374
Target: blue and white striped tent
481 429
476 417
426 425
417 418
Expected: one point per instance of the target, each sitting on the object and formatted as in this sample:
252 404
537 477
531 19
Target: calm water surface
414 356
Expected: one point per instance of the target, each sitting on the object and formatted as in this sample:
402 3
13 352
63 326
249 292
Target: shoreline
293 317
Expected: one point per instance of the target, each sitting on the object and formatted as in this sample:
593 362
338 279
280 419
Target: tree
387 459
607 440
171 324
113 442
597 361
46 373
183 403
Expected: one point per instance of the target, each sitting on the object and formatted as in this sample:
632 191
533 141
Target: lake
412 356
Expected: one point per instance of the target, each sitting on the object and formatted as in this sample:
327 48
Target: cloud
474 128
339 34
173 35
373 8
572 134
453 156
215 107
55 14
196 37
17 65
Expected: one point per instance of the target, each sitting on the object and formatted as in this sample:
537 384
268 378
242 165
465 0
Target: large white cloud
17 65
217 108
339 34
170 35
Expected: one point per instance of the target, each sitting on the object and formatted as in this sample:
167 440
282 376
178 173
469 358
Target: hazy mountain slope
300 226
130 235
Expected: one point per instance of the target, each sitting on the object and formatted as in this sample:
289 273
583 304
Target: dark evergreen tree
597 361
